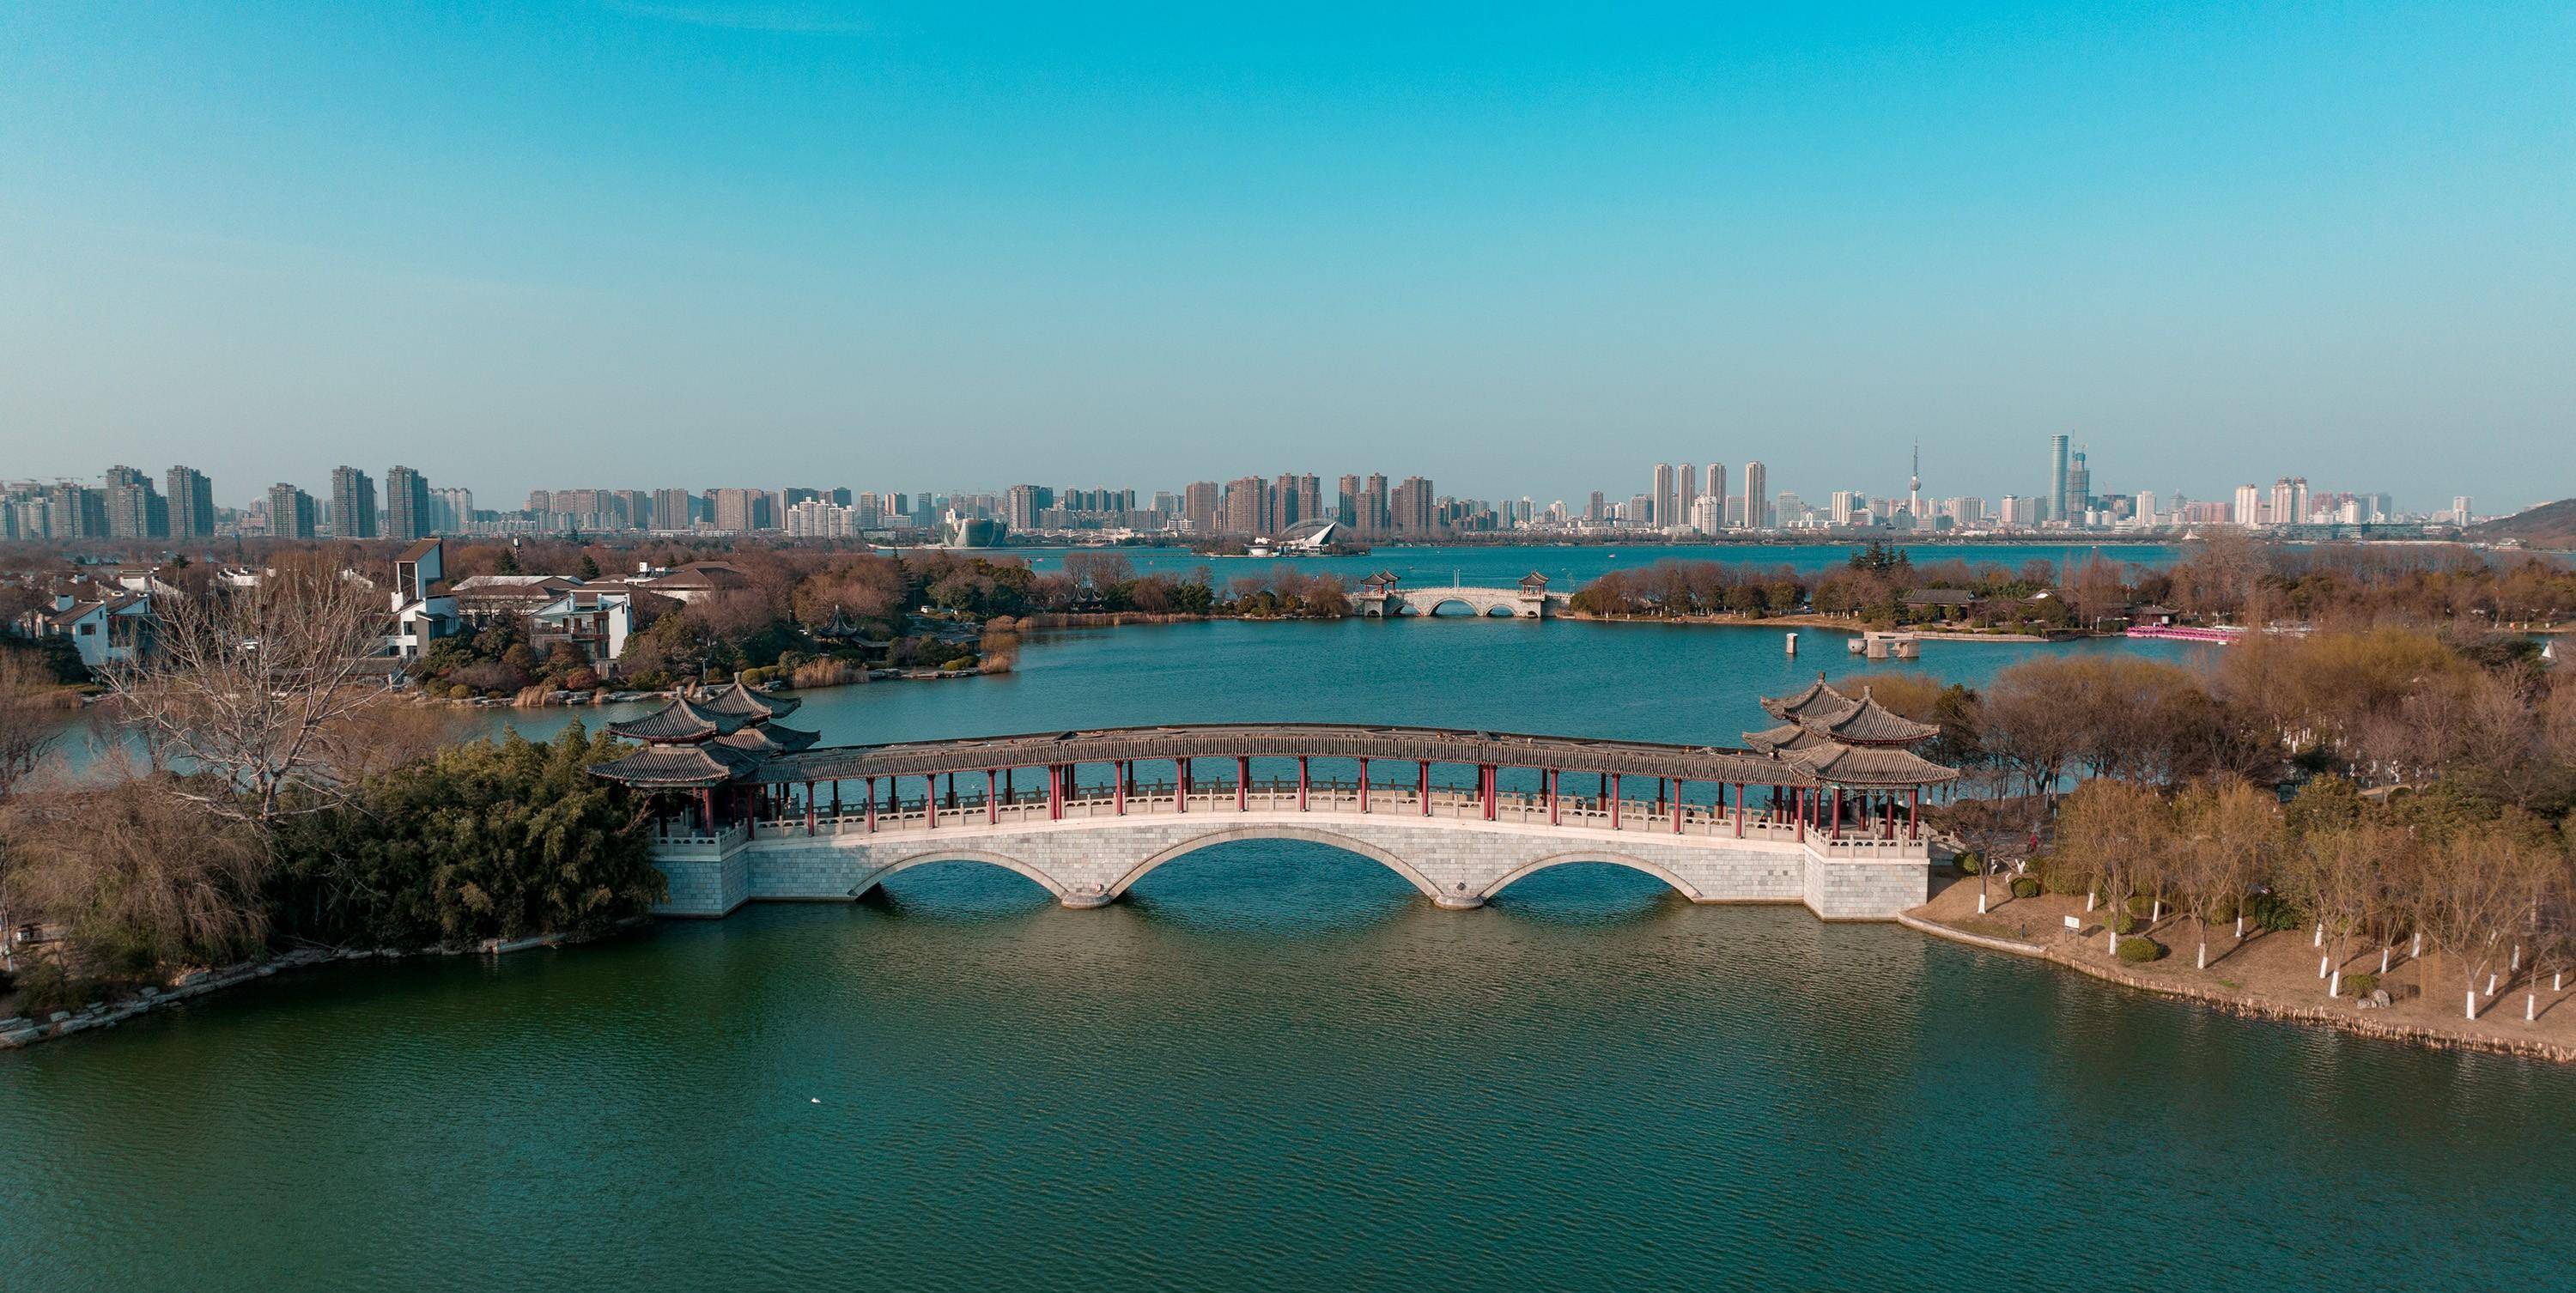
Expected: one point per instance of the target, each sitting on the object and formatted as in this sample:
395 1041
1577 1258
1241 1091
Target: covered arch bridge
1821 810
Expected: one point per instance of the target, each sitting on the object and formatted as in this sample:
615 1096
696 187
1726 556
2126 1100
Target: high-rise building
1845 502
353 504
1200 503
1022 503
408 514
1412 508
2079 489
1246 506
290 512
2057 465
455 506
2248 509
1310 497
1377 508
1660 500
1685 493
1346 502
1757 508
2461 514
671 509
192 503
1717 490
740 510
1596 508
134 509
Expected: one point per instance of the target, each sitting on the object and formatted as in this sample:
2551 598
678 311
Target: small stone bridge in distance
747 811
1383 596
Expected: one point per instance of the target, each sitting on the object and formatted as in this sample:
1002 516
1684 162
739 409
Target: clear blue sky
644 242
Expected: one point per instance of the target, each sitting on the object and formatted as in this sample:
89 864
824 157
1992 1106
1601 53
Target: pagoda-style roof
662 767
681 722
1787 738
1380 581
1533 580
1861 765
742 702
1860 721
766 739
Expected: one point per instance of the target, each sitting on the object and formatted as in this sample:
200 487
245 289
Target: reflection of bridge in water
1382 596
1821 810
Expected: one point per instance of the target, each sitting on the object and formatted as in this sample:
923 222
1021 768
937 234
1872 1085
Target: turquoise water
1274 1068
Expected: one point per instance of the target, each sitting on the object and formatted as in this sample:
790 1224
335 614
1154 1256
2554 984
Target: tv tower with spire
1914 489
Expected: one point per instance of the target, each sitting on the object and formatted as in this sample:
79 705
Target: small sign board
2074 923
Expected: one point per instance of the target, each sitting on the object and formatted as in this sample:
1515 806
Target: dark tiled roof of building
678 722
669 766
768 738
1862 721
742 701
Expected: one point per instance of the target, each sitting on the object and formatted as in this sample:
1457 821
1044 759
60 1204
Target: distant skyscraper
2461 514
2057 466
1662 498
1200 501
1685 493
671 509
2079 489
1346 502
409 516
1413 508
1757 507
1596 509
192 503
353 504
1717 490
134 510
1914 487
290 512
1246 506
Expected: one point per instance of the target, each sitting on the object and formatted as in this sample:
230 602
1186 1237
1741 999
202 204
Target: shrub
2360 985
2223 910
2273 912
826 672
2141 905
2138 951
2025 887
1969 863
43 985
962 664
2123 923
580 680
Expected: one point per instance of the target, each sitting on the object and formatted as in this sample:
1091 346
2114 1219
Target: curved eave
666 768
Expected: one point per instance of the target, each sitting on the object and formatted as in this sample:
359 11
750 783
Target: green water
1273 1068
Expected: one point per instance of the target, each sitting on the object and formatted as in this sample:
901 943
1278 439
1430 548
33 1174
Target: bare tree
2231 829
2485 888
142 878
30 724
247 686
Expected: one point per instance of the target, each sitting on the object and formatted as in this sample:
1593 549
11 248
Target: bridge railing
1642 817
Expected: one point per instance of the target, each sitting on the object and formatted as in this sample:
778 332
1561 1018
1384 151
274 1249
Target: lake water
1275 1067
1570 566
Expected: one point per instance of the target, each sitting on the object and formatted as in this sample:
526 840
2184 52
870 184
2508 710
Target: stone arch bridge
1829 826
1383 596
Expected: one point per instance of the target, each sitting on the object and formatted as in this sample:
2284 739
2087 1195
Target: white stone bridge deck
1088 845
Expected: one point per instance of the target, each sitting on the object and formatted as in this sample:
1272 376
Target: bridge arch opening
943 857
1269 831
1592 857
1457 607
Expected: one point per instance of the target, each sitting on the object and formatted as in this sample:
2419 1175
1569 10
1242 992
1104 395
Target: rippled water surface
1274 1067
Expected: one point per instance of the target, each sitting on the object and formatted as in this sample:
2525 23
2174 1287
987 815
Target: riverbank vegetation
259 800
2402 795
2227 577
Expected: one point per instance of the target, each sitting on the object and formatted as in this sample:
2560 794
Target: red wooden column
992 806
1616 793
1055 794
1551 797
1423 787
1914 813
929 800
1363 785
872 805
1301 783
1242 783
1118 797
1838 813
1181 784
1677 805
1488 791
809 808
1739 807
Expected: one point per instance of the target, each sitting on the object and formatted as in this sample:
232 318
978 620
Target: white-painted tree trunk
2325 965
2558 980
2320 939
2530 1007
2204 955
2159 912
2334 985
2115 942
2090 899
2383 959
2473 1003
2240 929
2491 978
2417 952
1981 904
2517 958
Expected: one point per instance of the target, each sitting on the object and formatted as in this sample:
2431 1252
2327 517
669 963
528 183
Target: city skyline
516 247
1680 500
